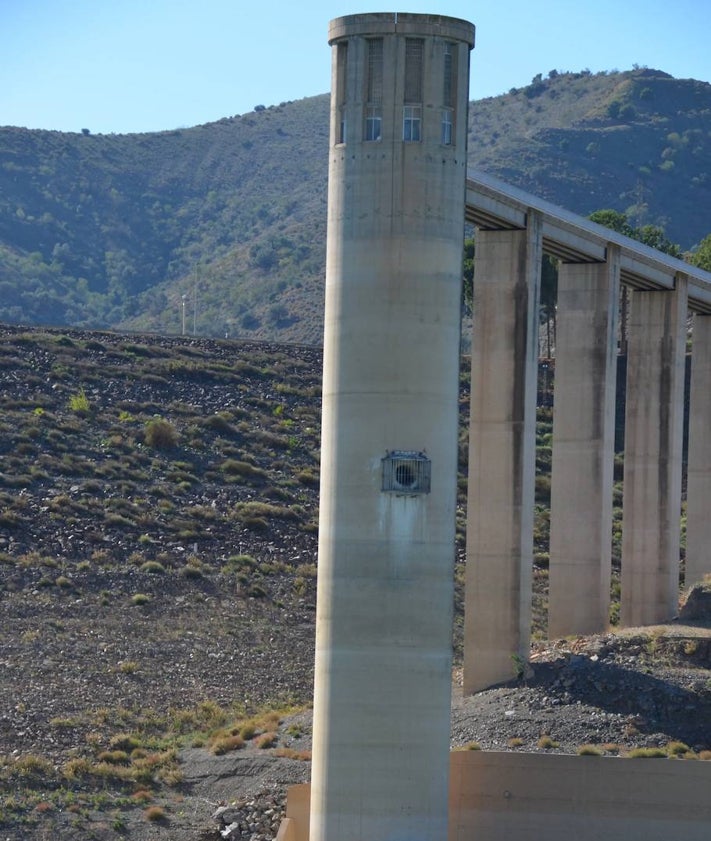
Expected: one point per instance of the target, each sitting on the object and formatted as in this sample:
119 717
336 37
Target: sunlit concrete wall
530 797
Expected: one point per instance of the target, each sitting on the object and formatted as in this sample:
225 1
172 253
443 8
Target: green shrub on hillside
79 403
160 434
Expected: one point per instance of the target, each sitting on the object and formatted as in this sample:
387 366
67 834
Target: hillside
157 563
637 142
220 229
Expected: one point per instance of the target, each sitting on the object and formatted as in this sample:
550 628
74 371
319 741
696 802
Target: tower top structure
402 23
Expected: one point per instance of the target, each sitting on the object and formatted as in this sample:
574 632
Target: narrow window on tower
341 63
449 94
374 91
412 111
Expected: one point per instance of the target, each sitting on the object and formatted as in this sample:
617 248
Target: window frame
412 123
373 123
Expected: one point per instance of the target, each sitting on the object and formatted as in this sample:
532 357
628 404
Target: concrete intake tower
380 769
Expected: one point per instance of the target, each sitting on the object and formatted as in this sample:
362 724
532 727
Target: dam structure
389 436
399 198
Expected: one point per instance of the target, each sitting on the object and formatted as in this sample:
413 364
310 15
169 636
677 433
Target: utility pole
195 298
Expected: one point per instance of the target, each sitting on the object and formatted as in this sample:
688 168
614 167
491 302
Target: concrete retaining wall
531 797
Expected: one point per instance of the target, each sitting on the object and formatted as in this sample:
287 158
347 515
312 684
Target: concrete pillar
653 453
502 454
583 447
390 420
698 483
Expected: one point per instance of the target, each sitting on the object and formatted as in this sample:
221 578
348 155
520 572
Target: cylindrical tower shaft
390 408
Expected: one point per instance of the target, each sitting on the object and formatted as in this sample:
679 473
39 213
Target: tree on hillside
701 258
656 238
468 276
614 220
549 300
652 235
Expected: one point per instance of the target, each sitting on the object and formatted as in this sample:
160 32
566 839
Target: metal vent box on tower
406 473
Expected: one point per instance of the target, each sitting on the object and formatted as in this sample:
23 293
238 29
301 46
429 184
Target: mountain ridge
219 229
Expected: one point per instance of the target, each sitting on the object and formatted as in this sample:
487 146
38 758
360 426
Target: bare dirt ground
647 688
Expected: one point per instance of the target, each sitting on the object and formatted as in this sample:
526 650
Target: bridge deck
494 205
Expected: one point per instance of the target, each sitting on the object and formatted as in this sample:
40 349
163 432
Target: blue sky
148 65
